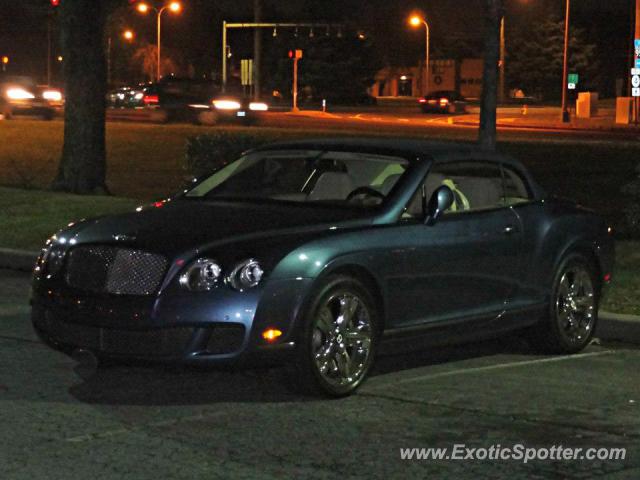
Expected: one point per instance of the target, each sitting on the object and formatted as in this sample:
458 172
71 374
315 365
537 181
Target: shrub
206 153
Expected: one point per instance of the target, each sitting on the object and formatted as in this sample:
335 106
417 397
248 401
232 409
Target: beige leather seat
332 186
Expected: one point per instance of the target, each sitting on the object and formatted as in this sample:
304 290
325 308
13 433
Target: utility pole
565 65
257 48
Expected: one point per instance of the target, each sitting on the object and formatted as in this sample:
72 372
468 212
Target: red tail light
422 100
150 99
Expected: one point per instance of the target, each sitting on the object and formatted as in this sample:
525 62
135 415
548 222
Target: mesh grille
159 342
114 270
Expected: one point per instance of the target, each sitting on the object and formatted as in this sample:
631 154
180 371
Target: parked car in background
198 101
445 101
126 97
20 95
322 252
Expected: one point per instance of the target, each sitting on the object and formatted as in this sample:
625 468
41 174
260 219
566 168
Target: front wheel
573 309
339 338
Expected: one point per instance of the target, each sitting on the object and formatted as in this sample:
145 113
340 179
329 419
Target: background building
464 76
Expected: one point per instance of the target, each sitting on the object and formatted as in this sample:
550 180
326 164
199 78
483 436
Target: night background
192 39
397 247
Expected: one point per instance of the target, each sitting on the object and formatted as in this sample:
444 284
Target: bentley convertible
321 253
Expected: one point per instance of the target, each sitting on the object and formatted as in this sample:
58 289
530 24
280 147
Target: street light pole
415 21
428 52
144 8
565 64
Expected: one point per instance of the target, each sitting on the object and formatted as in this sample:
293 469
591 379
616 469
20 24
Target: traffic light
55 3
5 60
295 54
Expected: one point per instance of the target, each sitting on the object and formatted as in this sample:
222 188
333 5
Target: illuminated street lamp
173 7
416 21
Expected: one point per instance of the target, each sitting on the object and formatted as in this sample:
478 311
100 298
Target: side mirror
440 202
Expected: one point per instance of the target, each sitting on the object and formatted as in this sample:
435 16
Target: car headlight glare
226 104
52 95
19 94
246 274
258 106
201 275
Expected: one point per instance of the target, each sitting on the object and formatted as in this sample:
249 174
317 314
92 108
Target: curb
619 327
607 129
612 326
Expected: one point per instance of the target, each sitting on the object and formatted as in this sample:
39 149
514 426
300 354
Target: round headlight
246 274
203 274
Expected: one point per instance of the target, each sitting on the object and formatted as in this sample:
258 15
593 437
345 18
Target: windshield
355 179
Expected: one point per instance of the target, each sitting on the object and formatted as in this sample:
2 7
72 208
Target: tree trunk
489 100
83 165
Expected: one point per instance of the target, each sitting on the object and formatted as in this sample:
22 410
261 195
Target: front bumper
218 327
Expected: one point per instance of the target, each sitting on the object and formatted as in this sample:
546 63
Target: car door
467 263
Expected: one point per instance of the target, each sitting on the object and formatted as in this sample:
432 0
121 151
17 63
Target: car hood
182 225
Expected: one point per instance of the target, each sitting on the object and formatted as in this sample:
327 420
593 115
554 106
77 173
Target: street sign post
572 80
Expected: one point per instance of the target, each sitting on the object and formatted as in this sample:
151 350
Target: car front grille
114 270
163 342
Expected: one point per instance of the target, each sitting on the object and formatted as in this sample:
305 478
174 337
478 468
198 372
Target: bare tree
489 100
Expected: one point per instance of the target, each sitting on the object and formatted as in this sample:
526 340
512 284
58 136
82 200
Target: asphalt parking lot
60 420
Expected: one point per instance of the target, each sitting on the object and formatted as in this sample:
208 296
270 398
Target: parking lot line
464 371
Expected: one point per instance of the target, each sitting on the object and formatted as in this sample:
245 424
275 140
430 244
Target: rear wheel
339 339
573 309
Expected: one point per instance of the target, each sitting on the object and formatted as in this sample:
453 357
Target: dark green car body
470 275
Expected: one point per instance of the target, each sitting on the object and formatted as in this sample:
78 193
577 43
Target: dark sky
196 32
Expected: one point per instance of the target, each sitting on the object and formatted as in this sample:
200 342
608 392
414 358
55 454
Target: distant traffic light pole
295 55
275 27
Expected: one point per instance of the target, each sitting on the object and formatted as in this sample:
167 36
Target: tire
334 357
573 308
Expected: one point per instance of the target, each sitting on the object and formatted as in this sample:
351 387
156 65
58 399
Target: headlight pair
205 274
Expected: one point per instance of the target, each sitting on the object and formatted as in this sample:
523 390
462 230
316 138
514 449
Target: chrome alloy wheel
575 304
342 339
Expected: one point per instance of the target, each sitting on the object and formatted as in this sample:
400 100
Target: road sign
246 72
635 81
635 92
636 45
573 78
572 86
637 64
635 71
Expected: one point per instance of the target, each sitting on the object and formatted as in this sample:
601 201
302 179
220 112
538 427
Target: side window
515 187
476 185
